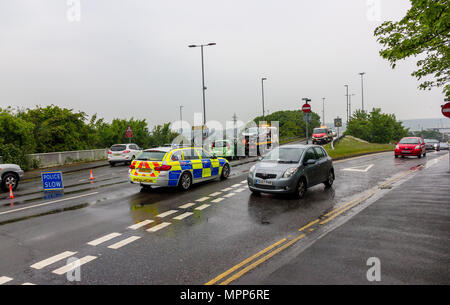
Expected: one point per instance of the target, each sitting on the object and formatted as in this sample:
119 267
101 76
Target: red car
410 146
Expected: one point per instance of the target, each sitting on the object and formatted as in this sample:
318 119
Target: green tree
162 134
376 127
423 31
16 131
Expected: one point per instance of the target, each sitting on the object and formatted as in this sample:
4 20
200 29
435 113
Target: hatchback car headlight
289 172
397 147
252 169
417 147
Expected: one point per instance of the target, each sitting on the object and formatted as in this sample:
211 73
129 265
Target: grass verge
349 147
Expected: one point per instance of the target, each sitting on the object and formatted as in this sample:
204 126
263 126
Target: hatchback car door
322 169
311 170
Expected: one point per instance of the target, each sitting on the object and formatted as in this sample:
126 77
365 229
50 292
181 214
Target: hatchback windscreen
284 155
431 141
151 156
409 141
319 130
118 147
220 144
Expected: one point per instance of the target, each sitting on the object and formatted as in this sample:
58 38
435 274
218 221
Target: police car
176 167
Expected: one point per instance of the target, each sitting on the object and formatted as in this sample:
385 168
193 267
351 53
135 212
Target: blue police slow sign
52 180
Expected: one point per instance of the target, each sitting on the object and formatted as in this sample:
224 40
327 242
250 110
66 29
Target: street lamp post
181 119
362 90
323 111
262 94
350 105
203 75
347 101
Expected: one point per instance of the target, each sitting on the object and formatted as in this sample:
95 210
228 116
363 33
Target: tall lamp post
262 94
181 119
350 105
323 111
203 75
362 89
347 101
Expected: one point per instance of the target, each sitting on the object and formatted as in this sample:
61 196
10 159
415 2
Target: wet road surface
163 236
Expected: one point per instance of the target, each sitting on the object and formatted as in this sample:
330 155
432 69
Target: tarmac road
187 237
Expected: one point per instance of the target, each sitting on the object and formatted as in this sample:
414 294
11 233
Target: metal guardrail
68 157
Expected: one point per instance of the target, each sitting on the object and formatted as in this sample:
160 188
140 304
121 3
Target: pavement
216 232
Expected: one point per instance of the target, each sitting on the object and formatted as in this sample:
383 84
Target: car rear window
153 155
409 141
118 147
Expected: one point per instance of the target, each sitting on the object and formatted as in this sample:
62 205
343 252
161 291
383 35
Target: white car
123 153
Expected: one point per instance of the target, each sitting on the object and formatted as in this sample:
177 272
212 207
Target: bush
13 154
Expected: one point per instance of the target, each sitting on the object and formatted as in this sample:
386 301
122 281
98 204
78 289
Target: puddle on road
55 211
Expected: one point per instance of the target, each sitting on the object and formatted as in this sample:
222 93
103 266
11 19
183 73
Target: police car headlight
289 172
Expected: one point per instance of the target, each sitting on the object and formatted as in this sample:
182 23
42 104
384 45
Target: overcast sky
130 58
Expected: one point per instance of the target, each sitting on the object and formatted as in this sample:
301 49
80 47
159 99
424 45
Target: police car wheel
185 181
225 172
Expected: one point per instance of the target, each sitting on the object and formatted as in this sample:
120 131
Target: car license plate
145 170
263 182
116 155
406 151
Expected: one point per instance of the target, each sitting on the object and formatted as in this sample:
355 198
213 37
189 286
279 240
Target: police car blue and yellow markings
149 171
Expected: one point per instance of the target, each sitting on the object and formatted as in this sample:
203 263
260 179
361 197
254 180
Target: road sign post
446 112
337 124
129 134
306 108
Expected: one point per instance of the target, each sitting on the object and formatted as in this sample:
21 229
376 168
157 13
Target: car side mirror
395 143
310 162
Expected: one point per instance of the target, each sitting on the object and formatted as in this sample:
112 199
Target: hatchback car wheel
301 189
9 179
330 179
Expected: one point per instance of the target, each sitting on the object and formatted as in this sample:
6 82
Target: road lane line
187 205
239 190
218 199
47 203
215 194
202 207
227 189
28 284
347 208
202 199
103 239
5 279
229 195
183 216
73 265
52 260
261 260
159 227
124 242
308 225
244 262
140 224
244 181
170 212
236 185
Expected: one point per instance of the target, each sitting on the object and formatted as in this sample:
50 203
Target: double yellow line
252 262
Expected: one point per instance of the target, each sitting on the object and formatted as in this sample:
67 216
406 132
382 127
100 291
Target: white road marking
5 279
218 199
28 284
202 207
183 216
244 181
140 224
47 203
159 227
103 239
124 242
215 194
187 205
227 189
362 168
162 215
73 265
202 199
229 195
52 260
236 185
240 190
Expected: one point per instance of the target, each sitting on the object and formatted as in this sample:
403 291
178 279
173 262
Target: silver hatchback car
10 174
291 169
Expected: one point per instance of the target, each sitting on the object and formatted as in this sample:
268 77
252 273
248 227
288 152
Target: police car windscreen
118 147
151 156
319 130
